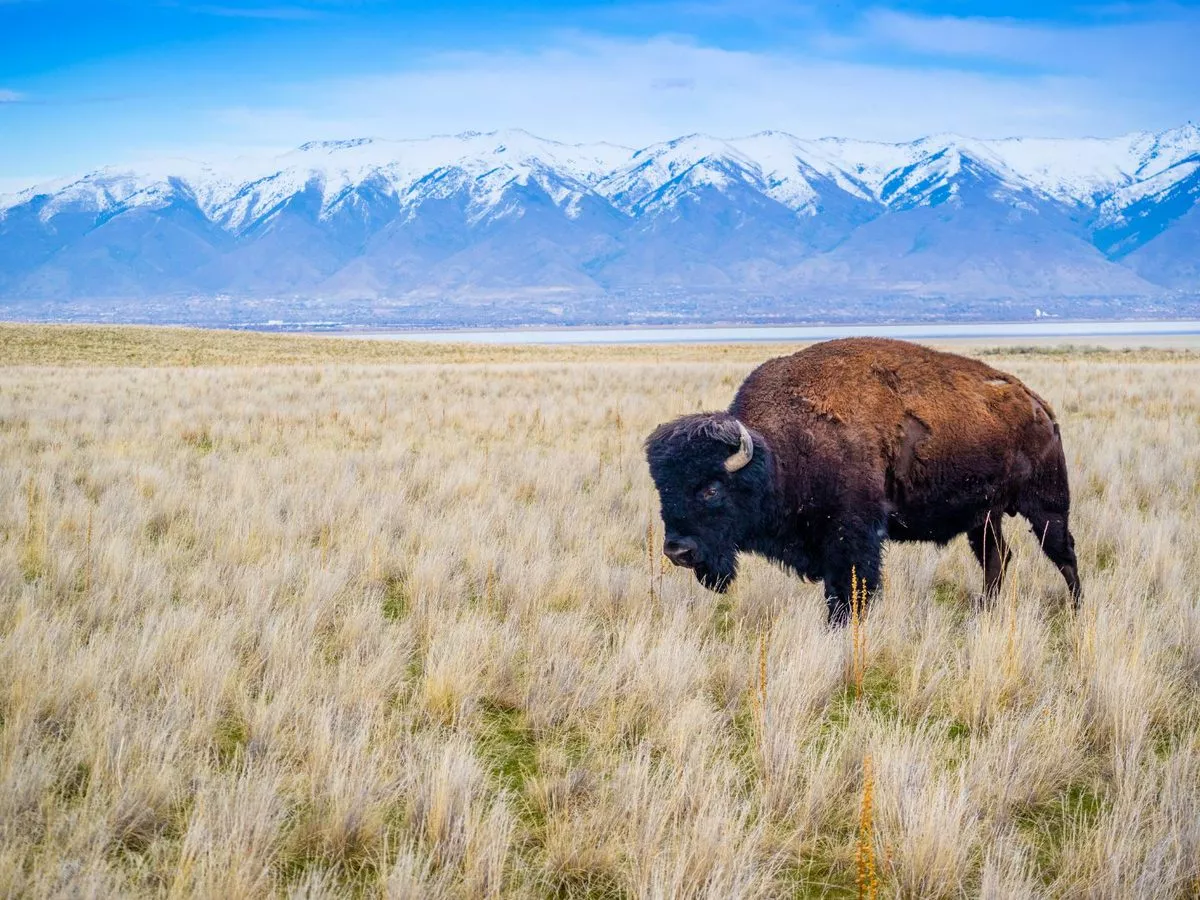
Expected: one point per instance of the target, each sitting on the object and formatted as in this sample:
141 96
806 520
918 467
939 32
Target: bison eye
711 494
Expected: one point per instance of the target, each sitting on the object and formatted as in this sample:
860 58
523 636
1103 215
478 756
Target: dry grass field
315 618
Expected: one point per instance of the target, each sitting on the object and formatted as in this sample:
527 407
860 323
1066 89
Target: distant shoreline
1187 330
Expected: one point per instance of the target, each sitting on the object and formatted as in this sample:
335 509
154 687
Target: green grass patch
1047 825
879 696
33 561
396 600
354 859
199 439
298 855
230 737
958 731
820 877
1049 350
1093 353
955 599
951 594
73 784
157 527
722 616
508 749
745 740
586 885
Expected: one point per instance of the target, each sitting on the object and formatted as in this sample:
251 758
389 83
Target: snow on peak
334 145
659 176
488 165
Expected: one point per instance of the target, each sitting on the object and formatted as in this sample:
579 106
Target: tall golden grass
311 626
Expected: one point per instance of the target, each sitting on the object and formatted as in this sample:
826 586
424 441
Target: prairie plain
299 617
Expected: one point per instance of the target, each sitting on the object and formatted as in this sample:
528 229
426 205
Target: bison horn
744 454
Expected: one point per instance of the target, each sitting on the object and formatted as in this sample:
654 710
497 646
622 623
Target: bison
829 452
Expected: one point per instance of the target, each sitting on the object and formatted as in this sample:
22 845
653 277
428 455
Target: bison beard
716 575
827 453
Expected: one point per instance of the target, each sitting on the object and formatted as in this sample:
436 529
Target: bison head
711 474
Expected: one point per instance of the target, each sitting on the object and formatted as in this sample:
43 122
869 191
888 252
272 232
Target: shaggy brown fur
859 440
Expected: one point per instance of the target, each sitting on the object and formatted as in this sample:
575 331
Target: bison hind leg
1046 503
1052 532
988 544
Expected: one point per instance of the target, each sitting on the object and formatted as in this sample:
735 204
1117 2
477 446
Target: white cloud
636 92
883 75
1145 49
16 185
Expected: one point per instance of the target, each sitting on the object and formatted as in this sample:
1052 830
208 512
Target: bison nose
681 551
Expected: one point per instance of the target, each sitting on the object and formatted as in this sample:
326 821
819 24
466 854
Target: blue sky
83 85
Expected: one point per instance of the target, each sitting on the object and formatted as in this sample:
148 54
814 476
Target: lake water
766 333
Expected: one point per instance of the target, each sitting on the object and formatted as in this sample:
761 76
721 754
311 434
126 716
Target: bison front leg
852 555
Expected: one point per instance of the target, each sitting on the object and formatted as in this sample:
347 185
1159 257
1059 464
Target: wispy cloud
638 91
632 73
15 97
16 185
773 12
1101 47
673 84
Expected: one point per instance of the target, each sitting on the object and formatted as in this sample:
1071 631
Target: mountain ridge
767 217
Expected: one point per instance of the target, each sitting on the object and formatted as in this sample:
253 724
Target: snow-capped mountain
507 217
